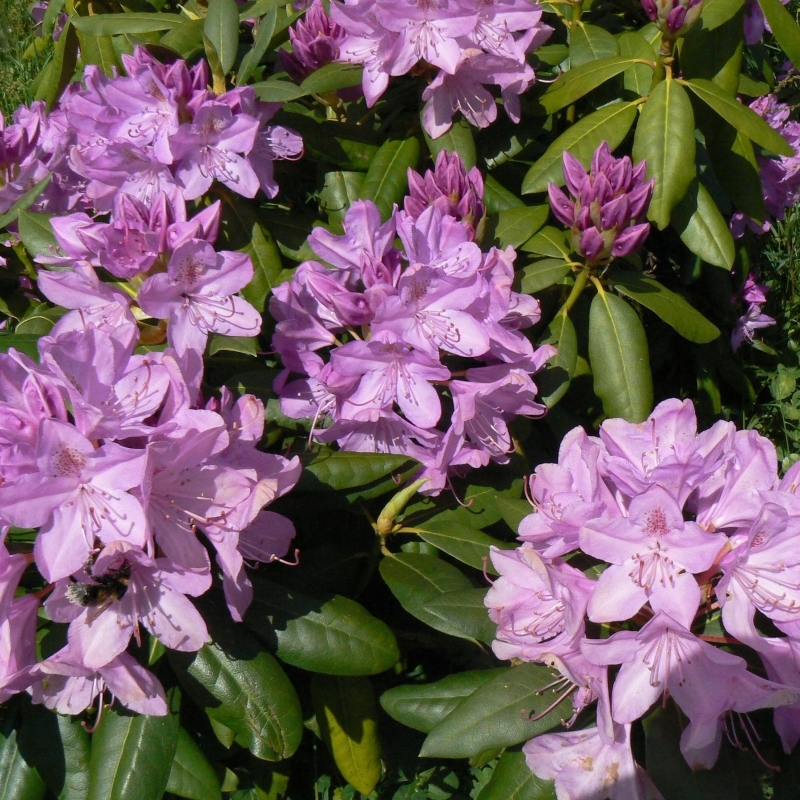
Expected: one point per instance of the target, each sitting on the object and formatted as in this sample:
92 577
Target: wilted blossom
607 207
673 17
755 295
675 529
371 343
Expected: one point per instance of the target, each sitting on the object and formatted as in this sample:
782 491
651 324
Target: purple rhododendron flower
673 17
755 295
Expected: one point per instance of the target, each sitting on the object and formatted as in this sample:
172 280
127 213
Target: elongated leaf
222 29
340 191
514 511
326 471
275 90
665 138
461 541
424 706
61 68
457 140
670 307
24 202
637 78
703 229
267 266
332 76
416 580
497 198
609 124
132 756
266 28
715 55
549 241
113 24
544 273
24 342
37 233
19 780
516 225
99 50
243 687
498 714
717 12
554 380
348 722
330 634
512 779
386 180
740 116
783 28
191 775
464 609
619 357
186 39
575 83
590 43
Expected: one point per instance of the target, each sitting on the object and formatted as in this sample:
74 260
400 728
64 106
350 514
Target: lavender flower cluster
160 129
679 524
390 342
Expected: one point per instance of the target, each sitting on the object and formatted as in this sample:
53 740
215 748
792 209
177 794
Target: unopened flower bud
673 17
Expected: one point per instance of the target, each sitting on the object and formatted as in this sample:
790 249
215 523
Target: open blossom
755 295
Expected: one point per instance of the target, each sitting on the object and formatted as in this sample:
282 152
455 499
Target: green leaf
329 633
513 779
609 124
514 511
670 307
348 723
62 67
783 28
739 115
37 234
267 266
113 24
24 202
464 609
386 180
276 90
19 780
186 39
575 83
266 29
424 706
498 714
24 342
590 43
467 544
619 359
715 55
544 273
331 77
717 12
516 225
636 79
497 198
243 687
132 756
191 775
752 88
340 191
99 50
232 344
554 380
703 229
343 471
222 29
549 241
416 580
665 139
457 140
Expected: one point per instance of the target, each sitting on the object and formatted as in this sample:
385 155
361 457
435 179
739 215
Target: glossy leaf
702 227
544 273
554 380
416 580
740 116
330 634
464 609
24 342
497 198
191 775
717 12
340 191
347 716
575 83
516 225
331 77
386 180
498 714
232 344
590 43
132 756
266 29
514 511
62 66
276 90
715 55
639 77
783 27
186 39
457 140
243 687
619 357
37 233
609 124
24 202
513 779
467 544
549 241
99 50
19 780
327 470
113 24
424 706
267 266
665 139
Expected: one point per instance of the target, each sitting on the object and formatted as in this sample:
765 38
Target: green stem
577 289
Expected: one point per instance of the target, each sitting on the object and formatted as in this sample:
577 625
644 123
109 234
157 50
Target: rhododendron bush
365 424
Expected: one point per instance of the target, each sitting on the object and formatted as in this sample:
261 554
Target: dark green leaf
740 116
416 580
266 28
553 381
464 609
276 90
19 780
386 180
24 342
330 634
24 202
544 273
516 225
457 140
715 55
37 233
232 344
331 77
609 124
191 775
327 470
575 83
99 50
424 706
467 544
619 357
222 29
513 779
590 43
340 191
498 714
132 756
497 198
39 320
665 138
186 39
637 79
112 24
62 67
267 266
717 12
670 307
348 722
783 28
549 241
514 511
703 229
